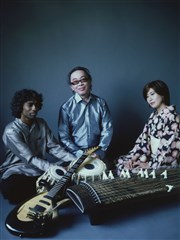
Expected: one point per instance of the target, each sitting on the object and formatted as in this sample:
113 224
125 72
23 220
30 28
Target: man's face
80 83
30 110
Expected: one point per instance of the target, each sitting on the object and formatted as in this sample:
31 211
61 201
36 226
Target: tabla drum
47 180
89 171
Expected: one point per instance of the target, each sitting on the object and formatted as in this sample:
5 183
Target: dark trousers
18 188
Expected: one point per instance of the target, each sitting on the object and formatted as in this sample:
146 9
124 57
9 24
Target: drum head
91 166
56 172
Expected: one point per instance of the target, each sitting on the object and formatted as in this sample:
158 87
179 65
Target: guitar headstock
91 150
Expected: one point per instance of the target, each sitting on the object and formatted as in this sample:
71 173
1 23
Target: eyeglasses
82 80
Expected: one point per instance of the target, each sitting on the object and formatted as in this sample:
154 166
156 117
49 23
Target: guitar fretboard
63 181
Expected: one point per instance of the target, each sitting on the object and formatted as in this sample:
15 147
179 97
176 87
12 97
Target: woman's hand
137 163
129 164
144 165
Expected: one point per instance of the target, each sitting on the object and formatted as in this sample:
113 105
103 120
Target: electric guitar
32 216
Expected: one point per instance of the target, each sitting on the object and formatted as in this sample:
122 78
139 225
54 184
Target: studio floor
156 220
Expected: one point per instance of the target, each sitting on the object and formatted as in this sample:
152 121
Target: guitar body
31 217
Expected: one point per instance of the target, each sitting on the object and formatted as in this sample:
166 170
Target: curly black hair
22 96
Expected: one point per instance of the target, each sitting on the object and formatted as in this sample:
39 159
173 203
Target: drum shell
90 170
47 180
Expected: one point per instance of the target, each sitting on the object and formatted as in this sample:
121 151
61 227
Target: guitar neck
67 176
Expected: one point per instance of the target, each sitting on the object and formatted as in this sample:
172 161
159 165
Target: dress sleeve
142 144
169 146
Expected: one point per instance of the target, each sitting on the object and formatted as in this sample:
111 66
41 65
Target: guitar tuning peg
91 150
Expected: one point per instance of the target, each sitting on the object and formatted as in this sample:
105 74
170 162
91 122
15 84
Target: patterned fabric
164 127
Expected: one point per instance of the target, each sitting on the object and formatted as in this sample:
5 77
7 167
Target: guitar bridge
32 215
38 213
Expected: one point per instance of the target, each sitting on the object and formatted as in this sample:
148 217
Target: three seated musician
27 139
158 146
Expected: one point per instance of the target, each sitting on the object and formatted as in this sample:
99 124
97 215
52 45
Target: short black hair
160 88
22 96
87 72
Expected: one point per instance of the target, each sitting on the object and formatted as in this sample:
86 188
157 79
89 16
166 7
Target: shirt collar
79 99
25 126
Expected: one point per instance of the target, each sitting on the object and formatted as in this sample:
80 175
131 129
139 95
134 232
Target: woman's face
155 100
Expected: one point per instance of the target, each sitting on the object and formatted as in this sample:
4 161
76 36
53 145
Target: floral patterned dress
163 129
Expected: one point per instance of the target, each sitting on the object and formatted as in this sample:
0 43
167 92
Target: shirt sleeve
15 142
56 150
107 127
64 134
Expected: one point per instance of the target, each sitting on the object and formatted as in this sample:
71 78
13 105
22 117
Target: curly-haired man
27 139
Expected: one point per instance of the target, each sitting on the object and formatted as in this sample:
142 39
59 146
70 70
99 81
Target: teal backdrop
125 44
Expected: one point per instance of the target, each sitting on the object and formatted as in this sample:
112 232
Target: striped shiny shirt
26 148
85 124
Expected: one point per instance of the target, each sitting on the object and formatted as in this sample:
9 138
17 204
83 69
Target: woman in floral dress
158 146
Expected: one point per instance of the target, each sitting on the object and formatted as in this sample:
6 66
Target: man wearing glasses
84 120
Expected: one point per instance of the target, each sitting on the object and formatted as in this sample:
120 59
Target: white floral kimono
159 143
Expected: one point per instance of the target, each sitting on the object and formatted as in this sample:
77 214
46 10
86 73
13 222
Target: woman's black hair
22 96
160 88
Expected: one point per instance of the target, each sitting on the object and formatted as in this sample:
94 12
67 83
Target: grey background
124 44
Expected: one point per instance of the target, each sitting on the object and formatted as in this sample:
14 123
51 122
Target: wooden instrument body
103 196
30 217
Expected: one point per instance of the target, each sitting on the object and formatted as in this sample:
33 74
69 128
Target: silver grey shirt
27 147
85 124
